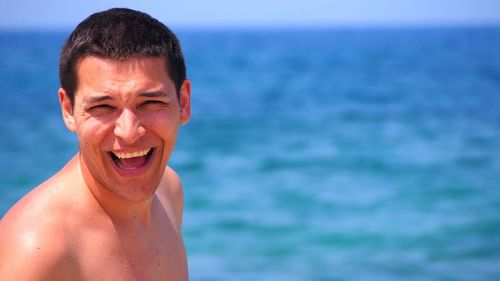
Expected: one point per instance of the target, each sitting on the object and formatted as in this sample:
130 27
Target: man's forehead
92 68
104 97
120 62
103 79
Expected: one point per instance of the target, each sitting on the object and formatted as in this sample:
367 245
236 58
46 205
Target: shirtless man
114 212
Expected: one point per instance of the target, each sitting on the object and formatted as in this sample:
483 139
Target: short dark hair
118 34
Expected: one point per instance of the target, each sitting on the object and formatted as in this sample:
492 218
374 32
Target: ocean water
312 154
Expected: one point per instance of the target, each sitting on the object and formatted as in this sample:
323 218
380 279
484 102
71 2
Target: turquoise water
316 154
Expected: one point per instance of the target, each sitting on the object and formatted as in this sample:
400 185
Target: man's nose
128 127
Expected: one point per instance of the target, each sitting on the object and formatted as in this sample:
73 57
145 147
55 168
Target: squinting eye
153 102
101 108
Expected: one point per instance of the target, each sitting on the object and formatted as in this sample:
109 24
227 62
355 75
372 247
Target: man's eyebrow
155 94
95 99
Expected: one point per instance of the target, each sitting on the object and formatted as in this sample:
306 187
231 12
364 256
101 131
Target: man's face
126 116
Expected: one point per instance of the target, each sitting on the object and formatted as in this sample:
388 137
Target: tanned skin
99 218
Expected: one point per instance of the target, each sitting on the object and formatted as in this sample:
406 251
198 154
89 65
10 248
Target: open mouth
132 160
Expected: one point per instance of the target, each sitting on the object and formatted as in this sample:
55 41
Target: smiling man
114 212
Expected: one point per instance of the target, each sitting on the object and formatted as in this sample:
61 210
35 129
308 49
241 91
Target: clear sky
52 14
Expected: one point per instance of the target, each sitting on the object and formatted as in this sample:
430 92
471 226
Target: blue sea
312 153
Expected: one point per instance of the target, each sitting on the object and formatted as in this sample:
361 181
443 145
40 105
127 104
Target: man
114 212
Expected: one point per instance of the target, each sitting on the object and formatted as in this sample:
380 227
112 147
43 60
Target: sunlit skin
114 212
120 109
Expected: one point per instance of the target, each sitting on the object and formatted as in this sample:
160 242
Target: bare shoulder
171 184
32 239
171 194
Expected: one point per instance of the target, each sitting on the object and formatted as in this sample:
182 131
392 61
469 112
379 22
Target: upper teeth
124 155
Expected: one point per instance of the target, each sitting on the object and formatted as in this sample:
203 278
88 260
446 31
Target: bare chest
120 256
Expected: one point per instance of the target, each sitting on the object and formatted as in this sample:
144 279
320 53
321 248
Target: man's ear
67 110
185 101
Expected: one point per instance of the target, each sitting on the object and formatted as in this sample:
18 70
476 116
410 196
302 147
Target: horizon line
281 26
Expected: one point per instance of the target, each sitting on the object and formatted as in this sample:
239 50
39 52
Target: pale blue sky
228 13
